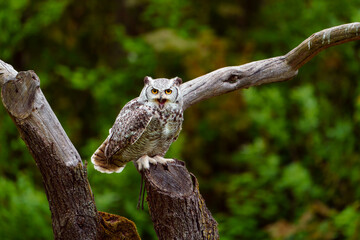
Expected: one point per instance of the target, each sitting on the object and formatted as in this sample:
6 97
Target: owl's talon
144 162
163 160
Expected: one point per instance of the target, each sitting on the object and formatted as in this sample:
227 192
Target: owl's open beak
161 102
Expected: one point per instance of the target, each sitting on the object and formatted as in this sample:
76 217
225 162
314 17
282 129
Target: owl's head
162 93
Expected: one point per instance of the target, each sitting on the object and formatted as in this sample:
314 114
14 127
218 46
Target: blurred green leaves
296 178
348 221
20 19
24 210
279 161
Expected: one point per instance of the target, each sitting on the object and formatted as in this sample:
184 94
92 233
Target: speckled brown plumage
146 125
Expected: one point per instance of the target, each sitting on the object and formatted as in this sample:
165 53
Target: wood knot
234 77
18 95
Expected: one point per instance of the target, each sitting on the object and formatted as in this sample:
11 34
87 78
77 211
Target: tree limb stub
7 72
177 208
275 69
73 210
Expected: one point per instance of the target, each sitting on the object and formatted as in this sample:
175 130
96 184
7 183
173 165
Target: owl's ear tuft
147 80
177 81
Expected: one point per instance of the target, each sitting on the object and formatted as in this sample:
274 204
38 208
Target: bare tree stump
177 209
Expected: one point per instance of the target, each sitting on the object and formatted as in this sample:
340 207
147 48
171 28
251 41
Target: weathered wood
176 206
73 210
322 40
7 72
270 70
71 203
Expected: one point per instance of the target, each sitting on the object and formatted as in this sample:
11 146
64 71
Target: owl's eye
168 91
154 91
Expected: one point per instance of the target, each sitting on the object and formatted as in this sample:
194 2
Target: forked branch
71 202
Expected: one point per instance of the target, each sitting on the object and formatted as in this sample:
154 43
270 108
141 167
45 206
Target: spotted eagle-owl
144 129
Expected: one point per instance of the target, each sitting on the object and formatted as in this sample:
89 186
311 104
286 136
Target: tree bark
71 202
270 70
176 206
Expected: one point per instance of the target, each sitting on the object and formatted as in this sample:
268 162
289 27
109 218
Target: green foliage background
280 161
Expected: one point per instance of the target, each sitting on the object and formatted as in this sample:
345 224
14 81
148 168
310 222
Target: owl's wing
128 127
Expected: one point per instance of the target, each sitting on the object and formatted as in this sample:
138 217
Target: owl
144 129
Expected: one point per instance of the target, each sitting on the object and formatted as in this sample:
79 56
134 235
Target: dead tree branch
270 70
73 210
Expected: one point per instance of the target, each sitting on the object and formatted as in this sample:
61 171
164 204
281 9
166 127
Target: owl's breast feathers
138 130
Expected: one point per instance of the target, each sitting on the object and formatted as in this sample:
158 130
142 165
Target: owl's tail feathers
104 165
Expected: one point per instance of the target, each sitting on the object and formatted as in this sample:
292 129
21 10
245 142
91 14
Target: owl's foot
144 162
163 160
